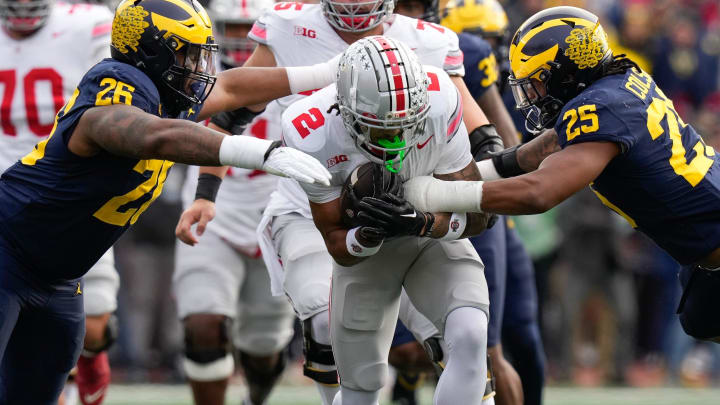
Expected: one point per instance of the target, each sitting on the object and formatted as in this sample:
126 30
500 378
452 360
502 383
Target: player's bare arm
492 105
202 210
559 176
531 154
327 220
130 132
520 159
476 222
242 87
262 56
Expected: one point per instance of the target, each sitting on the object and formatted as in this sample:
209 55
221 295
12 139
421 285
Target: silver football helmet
25 15
356 15
232 21
383 100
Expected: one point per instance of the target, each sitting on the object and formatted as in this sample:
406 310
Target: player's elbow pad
485 140
429 194
235 121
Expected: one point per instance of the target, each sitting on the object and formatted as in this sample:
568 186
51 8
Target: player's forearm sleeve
429 194
304 78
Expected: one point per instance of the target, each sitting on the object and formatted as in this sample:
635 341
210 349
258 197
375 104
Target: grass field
306 395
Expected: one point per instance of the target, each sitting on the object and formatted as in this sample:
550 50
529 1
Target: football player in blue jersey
610 127
68 200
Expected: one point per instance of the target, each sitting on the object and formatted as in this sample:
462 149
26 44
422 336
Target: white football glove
289 162
254 153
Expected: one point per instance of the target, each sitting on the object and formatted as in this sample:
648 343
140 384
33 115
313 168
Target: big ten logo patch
336 159
304 32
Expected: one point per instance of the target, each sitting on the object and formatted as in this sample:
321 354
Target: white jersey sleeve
446 121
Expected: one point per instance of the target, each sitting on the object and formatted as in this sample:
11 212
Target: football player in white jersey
388 109
292 34
221 284
40 66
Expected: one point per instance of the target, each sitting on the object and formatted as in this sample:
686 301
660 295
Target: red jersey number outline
9 79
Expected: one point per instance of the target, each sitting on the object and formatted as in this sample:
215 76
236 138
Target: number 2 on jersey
313 119
698 167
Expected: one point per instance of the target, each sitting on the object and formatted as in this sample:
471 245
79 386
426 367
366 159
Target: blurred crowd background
607 294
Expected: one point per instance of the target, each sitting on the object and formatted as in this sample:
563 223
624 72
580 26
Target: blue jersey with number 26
666 181
60 212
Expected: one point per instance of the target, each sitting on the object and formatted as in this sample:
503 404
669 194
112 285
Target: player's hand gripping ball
367 180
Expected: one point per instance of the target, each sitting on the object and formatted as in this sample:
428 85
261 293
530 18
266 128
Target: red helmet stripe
398 82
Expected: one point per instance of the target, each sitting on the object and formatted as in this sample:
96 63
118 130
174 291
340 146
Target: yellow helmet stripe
196 29
194 34
523 65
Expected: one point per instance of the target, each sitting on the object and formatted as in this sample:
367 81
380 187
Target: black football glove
369 236
484 140
395 216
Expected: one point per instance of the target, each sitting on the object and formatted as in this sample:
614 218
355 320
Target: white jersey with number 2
298 34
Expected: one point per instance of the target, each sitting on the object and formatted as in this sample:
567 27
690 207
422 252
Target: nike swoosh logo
413 215
422 145
90 398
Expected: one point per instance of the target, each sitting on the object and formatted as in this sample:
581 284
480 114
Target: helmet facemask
25 16
192 75
385 142
534 100
356 16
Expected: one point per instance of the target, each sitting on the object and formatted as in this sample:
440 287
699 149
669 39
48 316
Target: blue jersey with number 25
60 212
666 181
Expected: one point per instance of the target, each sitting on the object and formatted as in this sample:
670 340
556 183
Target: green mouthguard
394 144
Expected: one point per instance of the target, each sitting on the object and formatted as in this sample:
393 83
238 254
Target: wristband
456 227
487 170
355 248
506 162
243 151
207 187
271 148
